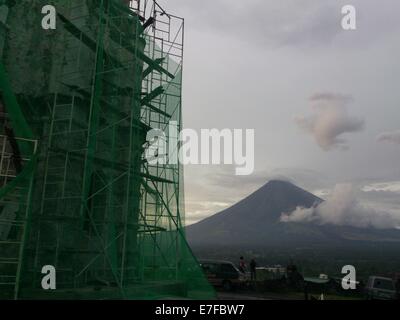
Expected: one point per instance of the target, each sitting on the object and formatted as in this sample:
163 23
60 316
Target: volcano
256 222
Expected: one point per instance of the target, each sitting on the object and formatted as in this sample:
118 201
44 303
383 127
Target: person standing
242 265
253 266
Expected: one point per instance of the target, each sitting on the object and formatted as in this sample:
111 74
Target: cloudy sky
324 102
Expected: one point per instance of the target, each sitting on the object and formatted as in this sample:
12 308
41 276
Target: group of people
253 267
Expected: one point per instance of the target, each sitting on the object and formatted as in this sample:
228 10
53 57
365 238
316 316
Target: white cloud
330 120
393 186
343 208
199 210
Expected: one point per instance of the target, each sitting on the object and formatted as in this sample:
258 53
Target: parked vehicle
379 288
223 274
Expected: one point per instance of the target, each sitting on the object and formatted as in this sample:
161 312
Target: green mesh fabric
76 192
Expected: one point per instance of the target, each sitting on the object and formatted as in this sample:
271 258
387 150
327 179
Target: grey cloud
383 196
330 120
391 137
304 178
265 23
227 179
304 23
327 96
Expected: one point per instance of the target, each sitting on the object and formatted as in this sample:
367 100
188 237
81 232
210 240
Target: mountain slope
255 221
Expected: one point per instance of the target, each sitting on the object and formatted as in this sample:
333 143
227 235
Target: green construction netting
76 192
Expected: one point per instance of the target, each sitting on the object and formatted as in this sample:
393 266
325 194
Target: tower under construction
77 191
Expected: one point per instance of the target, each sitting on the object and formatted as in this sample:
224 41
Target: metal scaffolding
76 191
